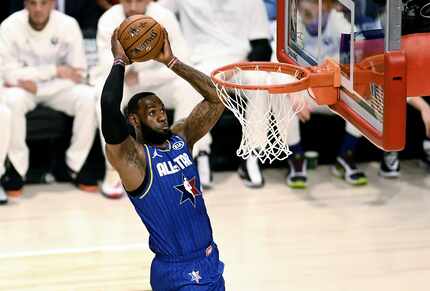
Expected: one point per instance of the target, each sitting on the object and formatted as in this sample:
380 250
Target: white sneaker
112 187
3 196
250 173
204 169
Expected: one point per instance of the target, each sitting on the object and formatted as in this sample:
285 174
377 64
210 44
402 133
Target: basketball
141 37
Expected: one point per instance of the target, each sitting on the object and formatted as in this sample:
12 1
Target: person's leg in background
345 166
19 103
79 102
5 121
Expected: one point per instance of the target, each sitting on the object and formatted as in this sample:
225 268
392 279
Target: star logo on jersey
188 190
195 276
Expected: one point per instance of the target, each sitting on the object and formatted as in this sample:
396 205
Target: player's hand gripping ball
141 37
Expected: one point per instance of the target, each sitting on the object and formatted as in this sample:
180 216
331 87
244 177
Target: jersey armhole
144 188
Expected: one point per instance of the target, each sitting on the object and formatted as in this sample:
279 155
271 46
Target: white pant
5 123
177 95
77 101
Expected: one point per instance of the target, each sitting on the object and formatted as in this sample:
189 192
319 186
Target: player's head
133 7
147 114
38 12
309 13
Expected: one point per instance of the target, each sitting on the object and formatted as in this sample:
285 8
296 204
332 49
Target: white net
265 118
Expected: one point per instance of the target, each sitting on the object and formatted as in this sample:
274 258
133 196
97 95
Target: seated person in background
333 25
148 76
44 62
5 121
225 32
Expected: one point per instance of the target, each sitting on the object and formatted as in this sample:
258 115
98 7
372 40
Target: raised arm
205 115
122 151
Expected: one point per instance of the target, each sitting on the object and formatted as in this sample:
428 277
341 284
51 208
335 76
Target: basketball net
264 115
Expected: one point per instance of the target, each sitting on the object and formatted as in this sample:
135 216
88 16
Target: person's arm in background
259 32
424 108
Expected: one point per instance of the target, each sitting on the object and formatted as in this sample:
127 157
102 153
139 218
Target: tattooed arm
205 115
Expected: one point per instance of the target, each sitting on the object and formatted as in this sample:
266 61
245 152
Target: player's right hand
166 54
117 49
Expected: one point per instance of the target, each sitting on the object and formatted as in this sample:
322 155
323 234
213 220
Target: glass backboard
363 37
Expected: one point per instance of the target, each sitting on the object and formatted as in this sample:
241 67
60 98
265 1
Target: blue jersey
170 201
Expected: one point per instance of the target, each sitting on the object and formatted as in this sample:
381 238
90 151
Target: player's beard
154 137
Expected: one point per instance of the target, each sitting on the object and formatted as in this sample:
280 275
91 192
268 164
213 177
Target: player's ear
133 119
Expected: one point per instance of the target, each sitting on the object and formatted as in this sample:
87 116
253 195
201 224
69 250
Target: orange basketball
141 37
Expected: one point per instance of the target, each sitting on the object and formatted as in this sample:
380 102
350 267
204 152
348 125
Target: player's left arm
205 115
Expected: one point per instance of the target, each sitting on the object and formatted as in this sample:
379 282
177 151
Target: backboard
364 38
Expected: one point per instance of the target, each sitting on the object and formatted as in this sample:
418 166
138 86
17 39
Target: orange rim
301 73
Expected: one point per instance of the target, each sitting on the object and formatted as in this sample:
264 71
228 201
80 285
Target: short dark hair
133 104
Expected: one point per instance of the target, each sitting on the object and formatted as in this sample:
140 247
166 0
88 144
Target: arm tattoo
206 113
201 82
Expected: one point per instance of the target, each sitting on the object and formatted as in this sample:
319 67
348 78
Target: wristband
172 62
119 61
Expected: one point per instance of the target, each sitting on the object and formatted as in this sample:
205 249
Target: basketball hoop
265 97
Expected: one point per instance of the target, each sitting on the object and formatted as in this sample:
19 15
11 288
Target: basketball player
159 174
44 62
149 76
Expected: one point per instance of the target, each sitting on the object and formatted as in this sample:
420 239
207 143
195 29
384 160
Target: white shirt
151 73
217 28
28 54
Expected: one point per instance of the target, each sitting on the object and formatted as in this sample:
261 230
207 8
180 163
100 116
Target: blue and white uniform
171 205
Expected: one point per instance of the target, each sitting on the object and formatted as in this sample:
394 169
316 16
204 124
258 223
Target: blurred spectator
44 62
149 76
333 25
5 121
224 32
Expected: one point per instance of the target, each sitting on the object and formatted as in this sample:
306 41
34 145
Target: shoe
112 187
346 169
204 169
425 161
250 173
82 179
297 176
12 181
390 165
3 196
83 182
